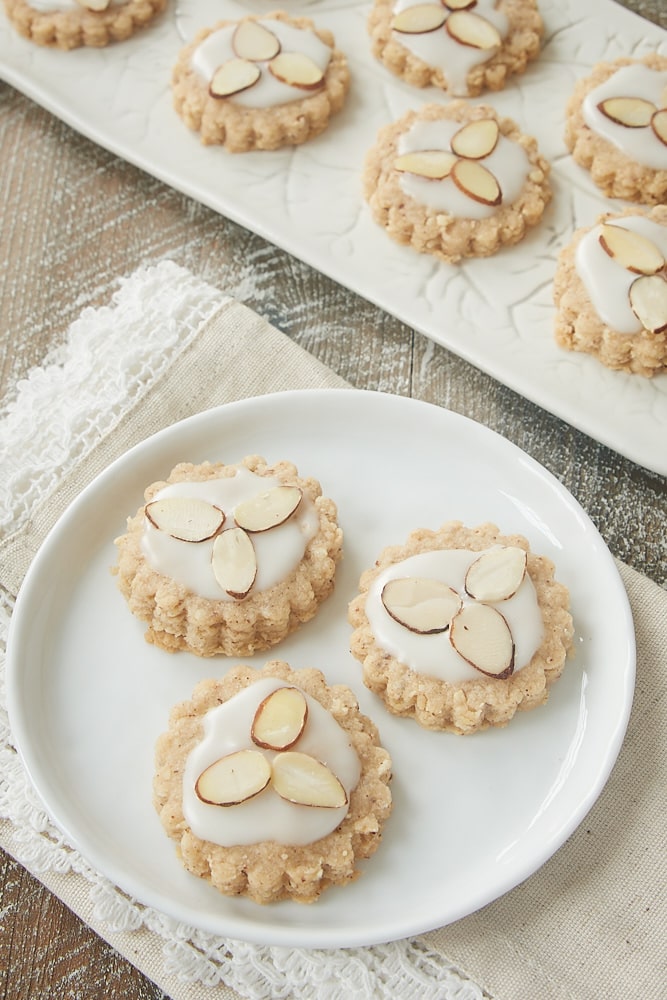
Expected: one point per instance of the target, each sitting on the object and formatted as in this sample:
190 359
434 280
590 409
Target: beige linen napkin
591 922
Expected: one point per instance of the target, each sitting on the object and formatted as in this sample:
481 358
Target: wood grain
74 217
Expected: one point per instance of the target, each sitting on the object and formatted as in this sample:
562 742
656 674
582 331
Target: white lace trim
61 410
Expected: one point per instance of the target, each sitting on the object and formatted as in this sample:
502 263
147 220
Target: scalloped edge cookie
267 871
78 27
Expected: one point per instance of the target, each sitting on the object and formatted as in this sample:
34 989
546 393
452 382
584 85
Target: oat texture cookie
461 46
260 82
610 291
616 128
241 787
456 181
229 559
70 24
461 627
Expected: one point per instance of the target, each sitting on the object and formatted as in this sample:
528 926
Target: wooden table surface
74 218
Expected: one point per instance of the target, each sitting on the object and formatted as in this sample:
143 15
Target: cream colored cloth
591 922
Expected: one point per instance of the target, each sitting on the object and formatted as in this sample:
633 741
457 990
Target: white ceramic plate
496 313
472 816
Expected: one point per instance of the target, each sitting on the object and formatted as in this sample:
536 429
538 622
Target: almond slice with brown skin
419 19
296 70
481 635
188 519
434 164
268 510
233 76
477 182
630 249
633 112
233 779
280 719
497 574
477 139
659 125
234 563
473 30
420 604
648 301
302 779
251 40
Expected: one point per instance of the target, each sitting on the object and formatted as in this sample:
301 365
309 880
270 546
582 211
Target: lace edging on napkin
112 356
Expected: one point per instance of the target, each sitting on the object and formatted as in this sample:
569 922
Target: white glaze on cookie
639 144
268 92
434 655
266 816
51 6
508 163
607 282
278 550
438 49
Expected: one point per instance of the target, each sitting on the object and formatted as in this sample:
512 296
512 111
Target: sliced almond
633 112
233 76
476 139
302 779
420 19
233 779
481 635
186 518
267 510
421 605
280 719
659 125
473 30
251 40
632 250
477 182
234 562
497 574
648 301
459 4
297 70
435 164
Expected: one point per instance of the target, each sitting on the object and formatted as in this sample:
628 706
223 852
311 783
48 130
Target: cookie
610 291
456 181
462 46
229 559
616 128
240 786
70 24
460 628
260 82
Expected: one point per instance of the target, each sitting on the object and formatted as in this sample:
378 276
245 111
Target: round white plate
473 816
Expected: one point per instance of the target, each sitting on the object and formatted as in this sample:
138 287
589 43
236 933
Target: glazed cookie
460 628
610 291
70 24
456 181
616 128
461 46
240 786
229 559
260 82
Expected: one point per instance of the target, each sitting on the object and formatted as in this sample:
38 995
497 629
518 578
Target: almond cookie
229 559
616 128
461 627
610 291
241 786
70 24
456 181
461 46
260 82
